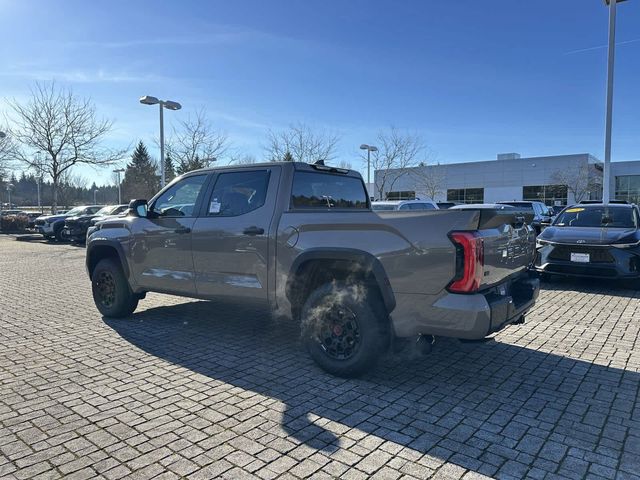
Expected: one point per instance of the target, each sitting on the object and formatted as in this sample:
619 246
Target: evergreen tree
169 169
140 177
287 157
191 164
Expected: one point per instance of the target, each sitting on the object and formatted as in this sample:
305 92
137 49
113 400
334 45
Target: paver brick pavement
198 389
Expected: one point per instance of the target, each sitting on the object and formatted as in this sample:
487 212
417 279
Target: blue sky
474 78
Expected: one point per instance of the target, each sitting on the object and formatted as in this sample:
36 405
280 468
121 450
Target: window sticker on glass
214 206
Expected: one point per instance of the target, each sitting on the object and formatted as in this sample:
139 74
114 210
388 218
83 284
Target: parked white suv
404 205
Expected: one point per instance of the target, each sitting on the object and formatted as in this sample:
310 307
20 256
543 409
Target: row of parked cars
541 214
74 224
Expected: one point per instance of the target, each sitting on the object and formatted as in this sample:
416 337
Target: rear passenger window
323 190
237 193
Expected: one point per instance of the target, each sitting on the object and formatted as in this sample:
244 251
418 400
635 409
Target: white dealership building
555 180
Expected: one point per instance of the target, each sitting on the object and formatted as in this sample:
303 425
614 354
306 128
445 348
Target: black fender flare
367 260
107 243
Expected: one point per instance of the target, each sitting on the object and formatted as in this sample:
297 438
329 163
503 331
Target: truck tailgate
509 244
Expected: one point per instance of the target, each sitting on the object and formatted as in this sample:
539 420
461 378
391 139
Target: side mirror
138 207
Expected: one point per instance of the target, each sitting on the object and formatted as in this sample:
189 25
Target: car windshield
611 217
75 211
106 210
383 206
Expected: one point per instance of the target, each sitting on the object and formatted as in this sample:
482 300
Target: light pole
169 105
95 197
369 149
9 187
606 174
118 171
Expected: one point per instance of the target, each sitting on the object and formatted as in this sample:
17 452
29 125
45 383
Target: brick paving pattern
206 390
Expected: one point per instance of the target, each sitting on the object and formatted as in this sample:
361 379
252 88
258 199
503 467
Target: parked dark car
592 240
52 226
541 214
76 227
118 211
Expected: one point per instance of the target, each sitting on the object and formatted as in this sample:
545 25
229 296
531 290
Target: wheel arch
312 268
100 249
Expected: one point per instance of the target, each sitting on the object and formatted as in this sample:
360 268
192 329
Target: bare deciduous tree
299 143
397 153
196 143
7 151
63 128
429 179
578 179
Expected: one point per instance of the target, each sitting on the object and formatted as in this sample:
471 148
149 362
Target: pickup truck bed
303 239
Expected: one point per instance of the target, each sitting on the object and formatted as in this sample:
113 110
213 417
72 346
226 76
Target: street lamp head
118 170
364 146
149 100
170 105
608 2
373 149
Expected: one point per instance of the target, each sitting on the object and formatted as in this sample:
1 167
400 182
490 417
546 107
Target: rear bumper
468 317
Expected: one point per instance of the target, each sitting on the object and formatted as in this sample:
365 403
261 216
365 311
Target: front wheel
111 292
345 328
61 235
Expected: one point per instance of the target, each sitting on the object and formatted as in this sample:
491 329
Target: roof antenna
319 162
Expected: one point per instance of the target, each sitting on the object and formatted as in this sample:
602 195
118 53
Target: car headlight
625 245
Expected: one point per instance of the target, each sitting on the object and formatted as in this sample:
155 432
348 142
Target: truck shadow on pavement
494 408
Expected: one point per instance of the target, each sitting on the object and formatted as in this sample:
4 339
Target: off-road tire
111 292
345 328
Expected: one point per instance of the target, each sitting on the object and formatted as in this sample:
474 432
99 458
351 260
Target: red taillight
469 262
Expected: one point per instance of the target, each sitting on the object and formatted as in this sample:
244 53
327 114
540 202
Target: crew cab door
161 250
231 236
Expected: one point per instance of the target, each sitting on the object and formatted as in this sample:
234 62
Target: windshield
106 210
611 217
382 207
74 211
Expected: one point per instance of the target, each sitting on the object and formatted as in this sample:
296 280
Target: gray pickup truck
303 239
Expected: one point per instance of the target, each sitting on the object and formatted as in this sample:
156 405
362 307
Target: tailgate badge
502 290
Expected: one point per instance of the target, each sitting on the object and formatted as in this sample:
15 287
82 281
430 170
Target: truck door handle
182 230
253 230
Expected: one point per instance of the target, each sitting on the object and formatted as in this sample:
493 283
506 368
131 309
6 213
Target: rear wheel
345 328
111 292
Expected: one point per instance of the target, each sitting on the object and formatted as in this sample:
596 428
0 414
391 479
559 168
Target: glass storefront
628 188
465 195
549 194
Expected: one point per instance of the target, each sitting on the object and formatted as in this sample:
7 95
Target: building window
628 188
405 195
465 195
552 195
